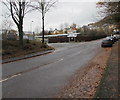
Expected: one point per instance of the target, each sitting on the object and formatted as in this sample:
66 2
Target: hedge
79 38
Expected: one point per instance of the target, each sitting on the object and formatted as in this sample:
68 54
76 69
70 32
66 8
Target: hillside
113 19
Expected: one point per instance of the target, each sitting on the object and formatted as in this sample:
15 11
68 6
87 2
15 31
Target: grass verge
12 49
108 87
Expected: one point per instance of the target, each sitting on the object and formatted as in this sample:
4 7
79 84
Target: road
43 76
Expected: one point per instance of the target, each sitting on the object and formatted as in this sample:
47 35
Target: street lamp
32 30
31 25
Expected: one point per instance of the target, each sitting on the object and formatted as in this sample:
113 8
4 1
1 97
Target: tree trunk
20 29
43 31
20 25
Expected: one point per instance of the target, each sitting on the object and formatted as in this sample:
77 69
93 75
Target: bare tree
111 9
66 25
43 6
73 26
6 25
18 9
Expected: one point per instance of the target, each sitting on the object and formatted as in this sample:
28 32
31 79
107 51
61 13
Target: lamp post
32 30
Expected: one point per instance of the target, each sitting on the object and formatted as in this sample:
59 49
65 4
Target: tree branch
14 18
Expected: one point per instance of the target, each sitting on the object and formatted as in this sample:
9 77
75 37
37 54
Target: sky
80 12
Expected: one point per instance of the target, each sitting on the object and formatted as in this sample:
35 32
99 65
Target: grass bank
12 49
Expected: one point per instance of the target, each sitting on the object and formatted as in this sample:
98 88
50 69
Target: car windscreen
106 41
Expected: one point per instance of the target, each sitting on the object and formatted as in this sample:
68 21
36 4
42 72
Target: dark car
107 43
116 37
110 38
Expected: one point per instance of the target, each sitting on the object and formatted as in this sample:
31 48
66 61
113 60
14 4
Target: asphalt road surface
43 76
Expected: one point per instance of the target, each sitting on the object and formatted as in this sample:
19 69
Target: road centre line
9 78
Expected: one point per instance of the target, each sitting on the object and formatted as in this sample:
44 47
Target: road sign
72 35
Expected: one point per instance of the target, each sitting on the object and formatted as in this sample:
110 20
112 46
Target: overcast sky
80 12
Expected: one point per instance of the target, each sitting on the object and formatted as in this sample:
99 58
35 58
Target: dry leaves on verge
84 85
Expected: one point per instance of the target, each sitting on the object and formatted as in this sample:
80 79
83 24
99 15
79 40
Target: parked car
110 38
116 37
107 43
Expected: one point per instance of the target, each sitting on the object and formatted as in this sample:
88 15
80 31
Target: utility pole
32 29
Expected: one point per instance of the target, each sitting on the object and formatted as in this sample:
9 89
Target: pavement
43 76
109 86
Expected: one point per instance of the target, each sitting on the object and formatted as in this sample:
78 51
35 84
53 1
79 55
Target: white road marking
3 80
